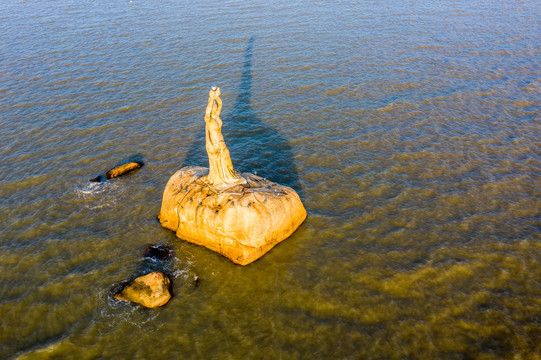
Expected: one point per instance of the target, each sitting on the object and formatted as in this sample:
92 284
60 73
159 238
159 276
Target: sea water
410 130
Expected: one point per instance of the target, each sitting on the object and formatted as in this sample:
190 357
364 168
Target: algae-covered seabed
411 132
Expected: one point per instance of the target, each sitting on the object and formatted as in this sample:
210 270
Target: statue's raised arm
214 106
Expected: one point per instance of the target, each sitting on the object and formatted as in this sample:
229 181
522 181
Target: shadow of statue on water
254 146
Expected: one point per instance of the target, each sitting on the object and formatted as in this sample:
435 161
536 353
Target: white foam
99 195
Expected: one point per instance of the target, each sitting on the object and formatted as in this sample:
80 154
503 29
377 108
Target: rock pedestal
241 216
241 223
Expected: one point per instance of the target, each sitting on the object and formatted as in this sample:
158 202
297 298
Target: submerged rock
151 290
99 179
158 252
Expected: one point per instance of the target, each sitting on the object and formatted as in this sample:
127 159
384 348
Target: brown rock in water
123 169
151 290
241 223
241 216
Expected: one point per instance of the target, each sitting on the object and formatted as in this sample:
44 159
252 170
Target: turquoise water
411 132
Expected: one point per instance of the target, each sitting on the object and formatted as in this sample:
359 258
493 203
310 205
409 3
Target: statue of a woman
221 173
241 222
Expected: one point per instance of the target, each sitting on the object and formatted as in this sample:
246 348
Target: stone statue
221 173
241 216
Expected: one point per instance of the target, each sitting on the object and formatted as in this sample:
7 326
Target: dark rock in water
117 288
151 290
196 281
99 179
123 169
158 252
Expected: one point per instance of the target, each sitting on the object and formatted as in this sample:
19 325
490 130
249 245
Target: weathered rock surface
241 216
241 223
151 290
118 170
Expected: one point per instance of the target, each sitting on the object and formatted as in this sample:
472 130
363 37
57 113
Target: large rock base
242 222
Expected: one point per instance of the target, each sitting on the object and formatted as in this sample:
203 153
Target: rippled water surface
410 130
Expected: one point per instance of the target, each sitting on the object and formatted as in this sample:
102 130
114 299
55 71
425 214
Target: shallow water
411 132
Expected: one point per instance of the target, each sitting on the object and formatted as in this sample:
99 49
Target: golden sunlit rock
151 290
123 169
241 216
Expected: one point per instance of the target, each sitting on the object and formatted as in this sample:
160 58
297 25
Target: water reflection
255 147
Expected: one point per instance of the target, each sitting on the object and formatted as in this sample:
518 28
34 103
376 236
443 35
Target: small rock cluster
153 289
